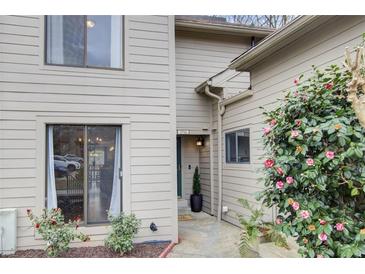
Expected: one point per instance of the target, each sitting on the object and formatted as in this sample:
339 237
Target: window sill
84 70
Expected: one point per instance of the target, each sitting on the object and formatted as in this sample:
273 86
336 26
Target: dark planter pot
196 202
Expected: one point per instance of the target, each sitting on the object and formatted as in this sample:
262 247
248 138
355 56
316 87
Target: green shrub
196 181
315 169
254 227
52 228
124 228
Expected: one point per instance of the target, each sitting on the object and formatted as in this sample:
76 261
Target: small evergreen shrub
196 181
53 229
124 228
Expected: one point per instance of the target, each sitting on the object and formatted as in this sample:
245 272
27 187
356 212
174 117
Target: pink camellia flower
310 162
322 222
289 180
298 122
330 154
279 221
322 237
340 226
295 206
305 214
280 171
328 86
294 133
279 184
269 163
273 122
267 130
296 81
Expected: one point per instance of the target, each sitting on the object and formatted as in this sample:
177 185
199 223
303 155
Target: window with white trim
84 41
238 146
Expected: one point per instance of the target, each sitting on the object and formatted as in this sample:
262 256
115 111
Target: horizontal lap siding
198 57
321 47
204 165
142 93
189 156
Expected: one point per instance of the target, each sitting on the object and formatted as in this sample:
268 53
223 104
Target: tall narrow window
238 146
83 171
84 41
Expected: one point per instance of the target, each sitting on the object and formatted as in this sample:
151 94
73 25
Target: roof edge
232 29
273 42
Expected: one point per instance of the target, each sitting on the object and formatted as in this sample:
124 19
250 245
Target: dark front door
178 166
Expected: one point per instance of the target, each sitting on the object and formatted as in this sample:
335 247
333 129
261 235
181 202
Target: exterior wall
204 165
198 57
194 156
321 47
189 157
144 94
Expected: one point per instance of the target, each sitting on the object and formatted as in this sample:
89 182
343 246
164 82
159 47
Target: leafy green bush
53 229
124 227
315 170
254 227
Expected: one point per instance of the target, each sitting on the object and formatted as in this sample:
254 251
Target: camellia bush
52 228
315 166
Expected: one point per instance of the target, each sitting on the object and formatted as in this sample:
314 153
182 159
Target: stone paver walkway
205 237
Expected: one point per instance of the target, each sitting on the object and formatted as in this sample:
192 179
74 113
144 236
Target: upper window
84 41
238 146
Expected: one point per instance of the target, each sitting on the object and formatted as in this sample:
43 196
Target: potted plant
196 199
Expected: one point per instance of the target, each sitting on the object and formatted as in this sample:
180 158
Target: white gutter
228 29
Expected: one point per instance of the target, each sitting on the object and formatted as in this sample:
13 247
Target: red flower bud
53 222
280 171
29 211
328 86
37 226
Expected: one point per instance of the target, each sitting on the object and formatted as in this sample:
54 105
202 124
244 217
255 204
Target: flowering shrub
53 229
124 227
315 170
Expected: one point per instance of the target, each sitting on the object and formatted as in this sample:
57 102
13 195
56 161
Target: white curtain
115 199
51 181
115 41
55 39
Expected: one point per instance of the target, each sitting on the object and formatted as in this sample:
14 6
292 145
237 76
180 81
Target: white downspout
220 111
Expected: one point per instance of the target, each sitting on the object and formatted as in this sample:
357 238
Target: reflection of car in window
62 162
73 157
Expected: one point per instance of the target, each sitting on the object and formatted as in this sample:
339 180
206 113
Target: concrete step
182 203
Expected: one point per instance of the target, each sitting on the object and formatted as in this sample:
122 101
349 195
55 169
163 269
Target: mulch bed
145 250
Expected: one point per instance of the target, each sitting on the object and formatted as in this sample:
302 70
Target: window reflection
68 147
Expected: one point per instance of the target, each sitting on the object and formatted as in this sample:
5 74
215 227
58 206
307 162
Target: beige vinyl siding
321 47
142 93
204 165
189 157
198 57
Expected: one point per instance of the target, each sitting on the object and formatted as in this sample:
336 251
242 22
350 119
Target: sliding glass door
83 171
